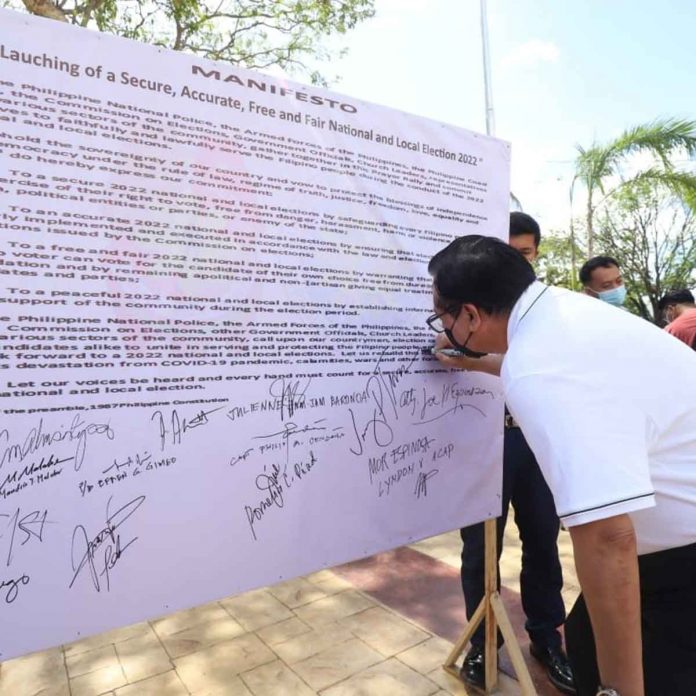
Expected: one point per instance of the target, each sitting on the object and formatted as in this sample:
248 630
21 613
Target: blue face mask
615 296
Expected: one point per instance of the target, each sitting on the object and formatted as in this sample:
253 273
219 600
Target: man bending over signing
607 402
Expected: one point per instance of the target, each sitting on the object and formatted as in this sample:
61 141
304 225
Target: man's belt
510 422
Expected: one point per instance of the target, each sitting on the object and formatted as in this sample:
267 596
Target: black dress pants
541 578
668 621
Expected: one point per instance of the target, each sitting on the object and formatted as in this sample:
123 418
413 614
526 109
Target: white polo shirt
607 402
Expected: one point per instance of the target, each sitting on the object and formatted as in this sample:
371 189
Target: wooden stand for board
493 612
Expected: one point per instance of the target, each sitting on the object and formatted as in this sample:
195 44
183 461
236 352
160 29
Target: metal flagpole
490 116
515 203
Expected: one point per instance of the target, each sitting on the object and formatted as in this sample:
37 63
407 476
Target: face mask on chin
461 347
615 296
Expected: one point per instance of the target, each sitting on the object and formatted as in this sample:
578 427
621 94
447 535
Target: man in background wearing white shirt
607 403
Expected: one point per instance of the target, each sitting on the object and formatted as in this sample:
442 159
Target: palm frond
662 138
681 183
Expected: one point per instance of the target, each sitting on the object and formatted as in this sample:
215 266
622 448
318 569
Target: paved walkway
378 627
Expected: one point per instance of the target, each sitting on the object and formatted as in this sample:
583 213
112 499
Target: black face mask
462 347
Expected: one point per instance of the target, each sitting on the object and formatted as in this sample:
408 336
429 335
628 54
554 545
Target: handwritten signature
382 390
291 393
78 432
106 540
270 484
289 429
13 587
30 524
140 460
273 484
449 400
421 489
175 427
30 471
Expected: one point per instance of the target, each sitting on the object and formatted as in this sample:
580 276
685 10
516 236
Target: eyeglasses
434 321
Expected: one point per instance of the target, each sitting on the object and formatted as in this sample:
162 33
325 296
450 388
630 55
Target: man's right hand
490 364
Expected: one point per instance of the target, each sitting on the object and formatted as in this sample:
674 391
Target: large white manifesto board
214 294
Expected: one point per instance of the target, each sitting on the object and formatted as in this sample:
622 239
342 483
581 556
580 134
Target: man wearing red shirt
679 310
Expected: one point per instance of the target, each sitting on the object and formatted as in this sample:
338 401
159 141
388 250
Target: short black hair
595 262
483 271
521 223
676 297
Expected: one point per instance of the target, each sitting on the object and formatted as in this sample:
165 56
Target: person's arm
607 566
490 364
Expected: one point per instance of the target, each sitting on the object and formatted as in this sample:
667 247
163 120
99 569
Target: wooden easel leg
513 647
459 646
491 588
493 611
483 611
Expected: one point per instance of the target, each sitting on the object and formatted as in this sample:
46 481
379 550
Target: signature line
451 410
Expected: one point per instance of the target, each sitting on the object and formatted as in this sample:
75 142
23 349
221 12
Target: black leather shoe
473 671
557 667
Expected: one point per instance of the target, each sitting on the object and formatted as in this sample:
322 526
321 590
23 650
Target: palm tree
663 139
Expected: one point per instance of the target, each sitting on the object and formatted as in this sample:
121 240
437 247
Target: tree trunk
590 228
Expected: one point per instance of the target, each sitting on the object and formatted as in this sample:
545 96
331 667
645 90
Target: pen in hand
449 352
